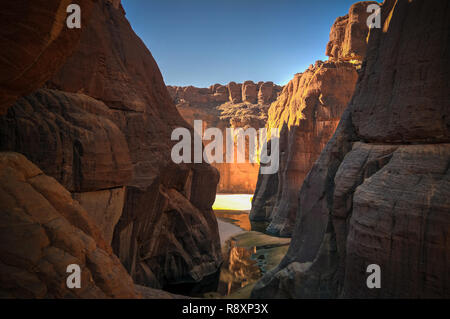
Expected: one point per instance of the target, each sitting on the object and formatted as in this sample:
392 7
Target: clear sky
202 42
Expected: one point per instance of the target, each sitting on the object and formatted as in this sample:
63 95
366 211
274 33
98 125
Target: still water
241 264
235 209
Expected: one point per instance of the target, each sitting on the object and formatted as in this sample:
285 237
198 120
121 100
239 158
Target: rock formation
43 231
234 105
102 128
41 44
307 113
262 93
380 190
73 138
174 199
348 35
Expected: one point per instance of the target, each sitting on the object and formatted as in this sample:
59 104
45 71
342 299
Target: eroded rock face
366 202
307 112
73 138
262 93
348 35
249 92
103 131
105 207
42 42
219 106
123 74
43 231
235 91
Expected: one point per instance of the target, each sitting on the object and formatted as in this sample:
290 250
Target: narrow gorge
88 176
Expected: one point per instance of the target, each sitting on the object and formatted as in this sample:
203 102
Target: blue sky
202 42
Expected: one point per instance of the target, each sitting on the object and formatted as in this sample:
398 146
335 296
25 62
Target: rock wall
379 192
307 113
43 231
101 127
42 44
254 93
43 228
348 35
231 106
73 138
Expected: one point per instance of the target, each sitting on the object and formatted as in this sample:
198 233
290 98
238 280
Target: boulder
43 231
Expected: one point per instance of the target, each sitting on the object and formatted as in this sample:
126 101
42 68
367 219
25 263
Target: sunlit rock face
380 191
232 106
73 138
307 113
102 128
348 35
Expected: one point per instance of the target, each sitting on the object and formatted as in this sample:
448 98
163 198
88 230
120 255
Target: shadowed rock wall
379 192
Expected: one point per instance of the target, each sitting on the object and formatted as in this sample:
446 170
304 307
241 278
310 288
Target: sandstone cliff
102 128
379 192
234 105
307 113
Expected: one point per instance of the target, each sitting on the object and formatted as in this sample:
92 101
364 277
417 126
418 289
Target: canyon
235 105
378 193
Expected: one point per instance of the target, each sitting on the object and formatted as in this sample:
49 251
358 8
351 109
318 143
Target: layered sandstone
43 231
379 192
102 128
231 106
167 232
307 113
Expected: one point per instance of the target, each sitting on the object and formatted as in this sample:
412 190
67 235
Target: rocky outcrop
262 93
348 35
73 138
102 128
232 106
43 231
42 42
159 240
235 92
307 113
379 192
249 92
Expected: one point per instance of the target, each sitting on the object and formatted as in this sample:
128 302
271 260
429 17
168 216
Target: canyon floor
248 252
